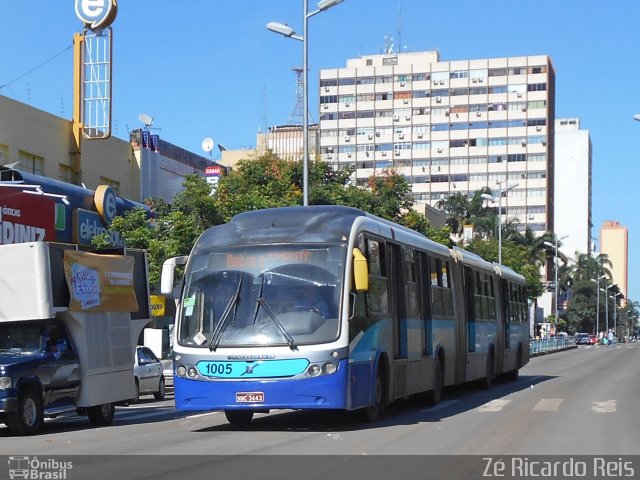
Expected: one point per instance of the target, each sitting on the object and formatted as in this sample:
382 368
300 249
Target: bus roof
312 224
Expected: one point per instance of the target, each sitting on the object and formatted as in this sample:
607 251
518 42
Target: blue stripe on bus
323 392
256 369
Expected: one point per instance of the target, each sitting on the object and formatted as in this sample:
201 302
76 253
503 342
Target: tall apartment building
447 126
573 186
614 242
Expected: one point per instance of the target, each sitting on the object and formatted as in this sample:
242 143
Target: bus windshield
262 295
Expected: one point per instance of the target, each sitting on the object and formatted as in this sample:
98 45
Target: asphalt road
584 401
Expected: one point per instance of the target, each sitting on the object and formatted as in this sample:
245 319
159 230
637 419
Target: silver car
148 372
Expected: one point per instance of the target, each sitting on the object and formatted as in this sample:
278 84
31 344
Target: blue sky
210 68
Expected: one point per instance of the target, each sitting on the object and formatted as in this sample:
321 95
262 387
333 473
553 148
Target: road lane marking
604 407
548 405
494 405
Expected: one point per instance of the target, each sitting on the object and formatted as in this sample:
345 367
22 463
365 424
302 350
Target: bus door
397 307
502 331
469 310
370 325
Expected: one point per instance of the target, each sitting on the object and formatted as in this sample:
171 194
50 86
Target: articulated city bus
329 307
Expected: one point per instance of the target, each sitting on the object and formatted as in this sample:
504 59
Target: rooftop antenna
399 46
148 121
388 44
207 145
297 115
263 126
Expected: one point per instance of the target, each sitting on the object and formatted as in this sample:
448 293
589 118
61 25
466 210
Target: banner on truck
99 283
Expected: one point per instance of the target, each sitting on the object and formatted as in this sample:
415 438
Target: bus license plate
250 397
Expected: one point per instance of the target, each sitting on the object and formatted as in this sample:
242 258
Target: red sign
25 217
213 170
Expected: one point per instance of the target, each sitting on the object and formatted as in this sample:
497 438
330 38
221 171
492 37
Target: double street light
287 31
615 314
555 283
498 197
598 303
606 307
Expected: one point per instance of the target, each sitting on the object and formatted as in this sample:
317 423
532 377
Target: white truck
58 356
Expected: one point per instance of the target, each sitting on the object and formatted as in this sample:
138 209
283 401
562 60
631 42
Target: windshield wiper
217 332
285 334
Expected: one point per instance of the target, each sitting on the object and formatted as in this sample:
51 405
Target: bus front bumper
322 392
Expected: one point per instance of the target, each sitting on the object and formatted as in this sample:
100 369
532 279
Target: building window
537 87
65 173
31 163
4 154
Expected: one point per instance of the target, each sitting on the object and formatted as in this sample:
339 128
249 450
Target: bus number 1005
213 368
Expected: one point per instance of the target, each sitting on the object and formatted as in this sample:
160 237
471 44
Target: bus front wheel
370 414
239 417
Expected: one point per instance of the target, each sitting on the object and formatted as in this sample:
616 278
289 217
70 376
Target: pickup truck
40 376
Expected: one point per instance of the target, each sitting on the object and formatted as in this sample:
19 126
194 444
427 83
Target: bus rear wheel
239 417
488 380
434 396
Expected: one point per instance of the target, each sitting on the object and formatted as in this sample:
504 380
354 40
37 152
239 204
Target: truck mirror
360 271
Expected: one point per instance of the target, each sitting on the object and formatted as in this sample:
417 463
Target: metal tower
297 115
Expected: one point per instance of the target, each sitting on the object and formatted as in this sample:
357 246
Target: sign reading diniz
25 217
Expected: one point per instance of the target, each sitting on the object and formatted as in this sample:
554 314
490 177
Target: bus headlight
329 368
181 371
5 383
314 370
192 372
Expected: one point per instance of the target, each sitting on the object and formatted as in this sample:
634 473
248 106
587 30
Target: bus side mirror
360 271
168 270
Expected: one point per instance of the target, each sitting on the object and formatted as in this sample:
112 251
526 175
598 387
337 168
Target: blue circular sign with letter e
96 13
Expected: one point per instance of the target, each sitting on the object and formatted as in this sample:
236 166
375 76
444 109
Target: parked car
148 372
583 339
593 339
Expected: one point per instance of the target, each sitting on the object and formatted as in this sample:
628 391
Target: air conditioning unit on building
384 154
395 118
347 138
370 136
402 84
401 136
328 156
420 135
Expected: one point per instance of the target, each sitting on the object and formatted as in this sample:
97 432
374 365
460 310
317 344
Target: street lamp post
615 314
287 31
486 196
555 283
606 307
598 304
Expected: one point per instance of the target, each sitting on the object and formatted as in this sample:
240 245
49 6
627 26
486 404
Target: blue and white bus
329 307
